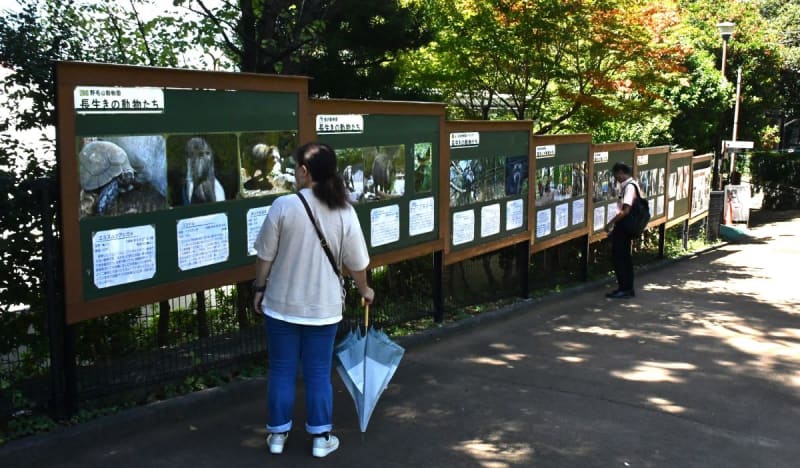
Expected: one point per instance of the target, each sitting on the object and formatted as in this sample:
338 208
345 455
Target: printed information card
463 227
421 216
599 218
255 218
514 214
202 241
122 256
544 225
490 220
578 208
562 216
384 225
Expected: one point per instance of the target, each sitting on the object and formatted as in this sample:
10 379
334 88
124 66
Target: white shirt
302 286
628 193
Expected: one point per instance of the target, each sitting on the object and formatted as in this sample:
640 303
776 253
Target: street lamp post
726 31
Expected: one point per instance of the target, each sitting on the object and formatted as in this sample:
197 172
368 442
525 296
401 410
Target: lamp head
726 29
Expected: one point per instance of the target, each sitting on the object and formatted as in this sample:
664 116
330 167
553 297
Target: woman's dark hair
320 159
621 167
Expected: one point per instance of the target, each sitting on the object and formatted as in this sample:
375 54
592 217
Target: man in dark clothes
621 240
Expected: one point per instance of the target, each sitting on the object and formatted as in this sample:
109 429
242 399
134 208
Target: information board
604 187
650 170
701 185
389 157
679 181
166 178
489 180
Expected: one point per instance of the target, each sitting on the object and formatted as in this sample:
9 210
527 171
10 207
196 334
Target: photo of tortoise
106 171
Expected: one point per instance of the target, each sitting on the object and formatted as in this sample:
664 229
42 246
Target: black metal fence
133 352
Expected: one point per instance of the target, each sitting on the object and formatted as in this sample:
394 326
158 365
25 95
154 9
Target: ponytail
320 159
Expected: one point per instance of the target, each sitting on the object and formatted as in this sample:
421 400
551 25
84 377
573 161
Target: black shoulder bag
636 221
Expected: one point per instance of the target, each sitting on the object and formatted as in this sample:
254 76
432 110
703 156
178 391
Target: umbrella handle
366 313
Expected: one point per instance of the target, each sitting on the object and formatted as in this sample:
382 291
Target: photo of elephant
122 175
373 173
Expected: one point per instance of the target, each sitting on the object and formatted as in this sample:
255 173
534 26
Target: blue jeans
289 344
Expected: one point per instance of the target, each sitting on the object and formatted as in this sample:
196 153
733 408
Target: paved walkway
701 369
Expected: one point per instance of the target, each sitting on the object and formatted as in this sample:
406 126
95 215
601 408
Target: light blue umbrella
366 364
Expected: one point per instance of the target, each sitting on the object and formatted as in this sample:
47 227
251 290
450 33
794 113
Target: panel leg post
685 235
584 266
523 264
662 235
438 291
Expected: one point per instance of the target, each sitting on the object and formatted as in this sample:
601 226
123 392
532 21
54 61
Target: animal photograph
266 165
202 168
517 175
477 180
122 175
373 173
423 167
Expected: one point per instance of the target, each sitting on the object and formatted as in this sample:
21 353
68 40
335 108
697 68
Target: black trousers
622 259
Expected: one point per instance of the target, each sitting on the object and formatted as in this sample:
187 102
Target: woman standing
300 293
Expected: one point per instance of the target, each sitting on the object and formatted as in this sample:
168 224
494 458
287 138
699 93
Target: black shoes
620 294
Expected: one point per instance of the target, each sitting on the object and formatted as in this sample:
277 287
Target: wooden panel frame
682 154
654 221
400 108
71 74
621 146
575 138
452 126
699 159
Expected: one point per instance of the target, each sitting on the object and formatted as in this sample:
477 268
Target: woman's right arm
366 292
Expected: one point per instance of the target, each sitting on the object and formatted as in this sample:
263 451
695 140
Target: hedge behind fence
778 176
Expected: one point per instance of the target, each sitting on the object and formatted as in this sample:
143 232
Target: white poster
514 214
421 216
465 139
652 203
642 160
671 209
384 225
463 227
578 208
599 218
613 209
672 188
544 224
659 206
601 157
348 123
255 218
562 216
490 220
202 241
125 255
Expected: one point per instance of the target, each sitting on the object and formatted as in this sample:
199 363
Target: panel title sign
328 124
118 100
545 151
465 139
601 157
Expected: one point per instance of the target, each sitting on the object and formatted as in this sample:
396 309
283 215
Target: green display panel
605 192
489 177
678 182
178 184
701 188
390 165
651 175
561 188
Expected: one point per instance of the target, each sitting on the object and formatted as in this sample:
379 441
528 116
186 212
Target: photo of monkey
516 175
266 165
202 168
477 180
423 167
122 175
373 173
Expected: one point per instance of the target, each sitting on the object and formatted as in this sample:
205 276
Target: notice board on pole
679 180
166 177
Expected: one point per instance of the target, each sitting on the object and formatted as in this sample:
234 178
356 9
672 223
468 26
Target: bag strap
322 240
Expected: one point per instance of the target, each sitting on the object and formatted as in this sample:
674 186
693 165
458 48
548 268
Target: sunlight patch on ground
486 360
501 346
571 346
656 287
666 405
495 453
650 371
606 332
571 359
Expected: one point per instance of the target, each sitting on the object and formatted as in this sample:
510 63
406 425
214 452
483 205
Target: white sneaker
275 440
324 445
